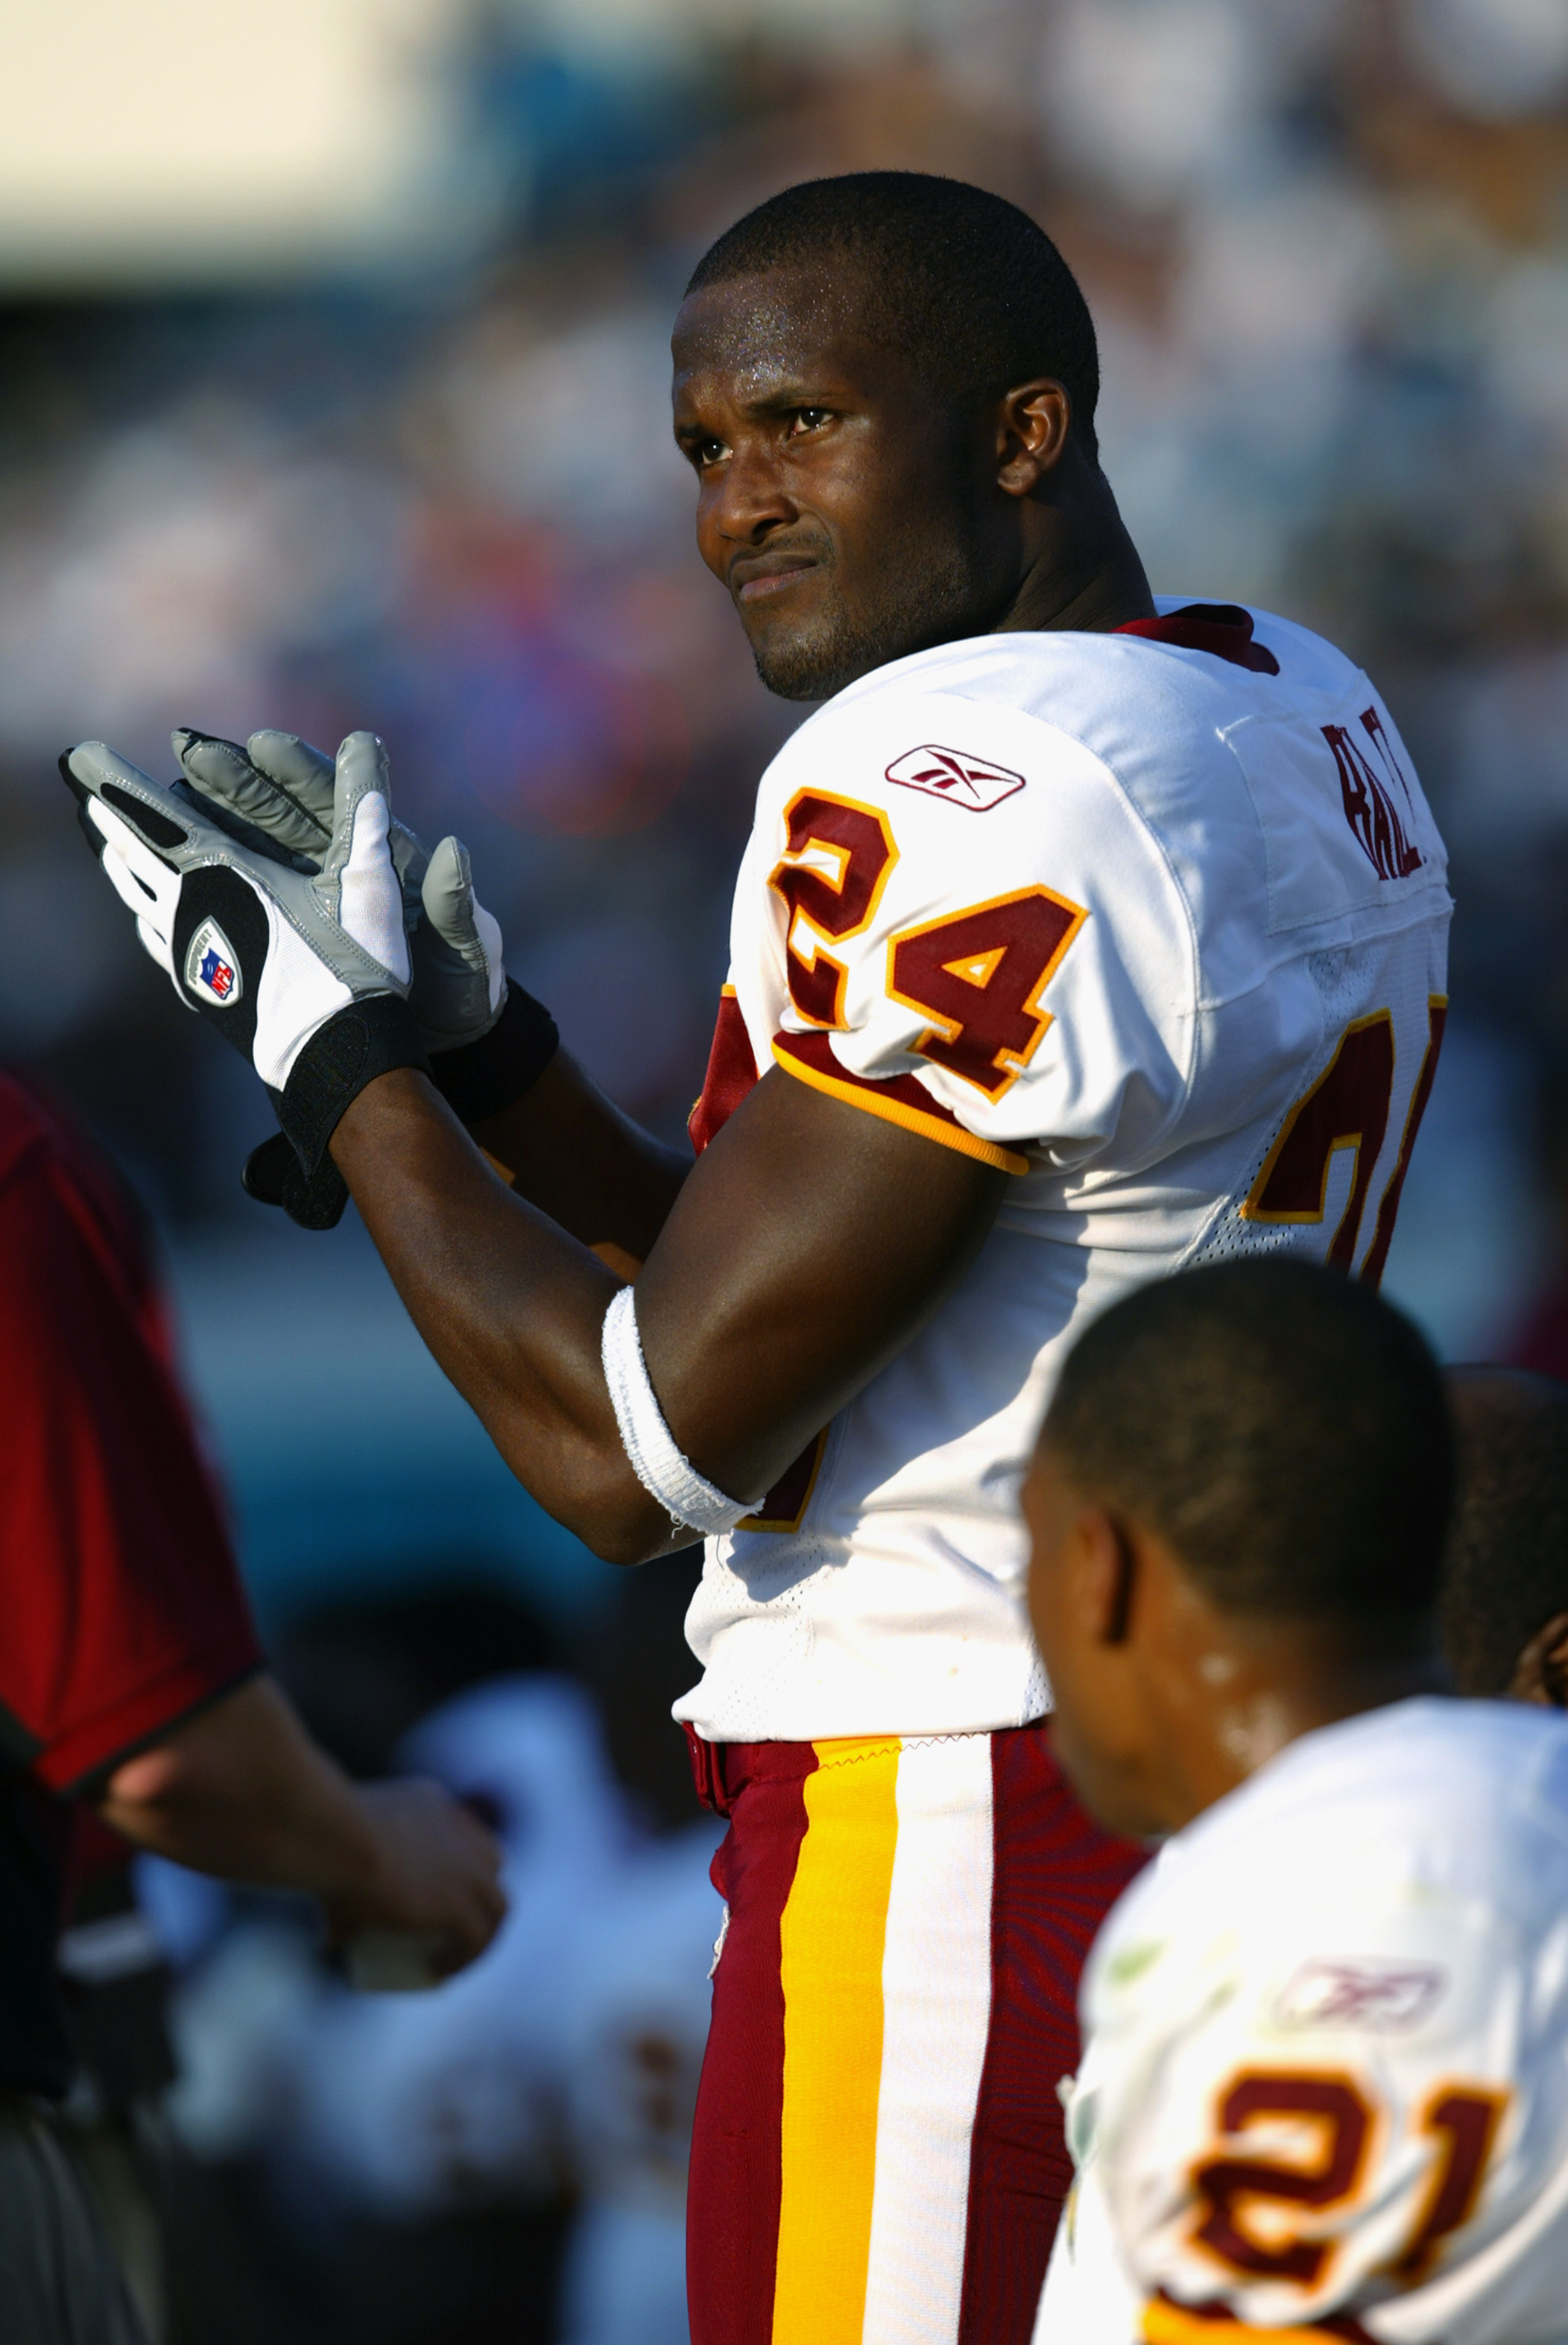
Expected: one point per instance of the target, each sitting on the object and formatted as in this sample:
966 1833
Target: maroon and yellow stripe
785 2152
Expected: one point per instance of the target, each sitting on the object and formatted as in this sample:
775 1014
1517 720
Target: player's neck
1083 570
1291 1687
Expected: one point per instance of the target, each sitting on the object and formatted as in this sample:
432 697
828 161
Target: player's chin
808 656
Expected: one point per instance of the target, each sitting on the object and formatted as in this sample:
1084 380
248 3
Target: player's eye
807 419
706 452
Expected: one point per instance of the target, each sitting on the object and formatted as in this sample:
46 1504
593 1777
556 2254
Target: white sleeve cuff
647 1440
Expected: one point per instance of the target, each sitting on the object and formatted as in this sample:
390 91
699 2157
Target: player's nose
750 496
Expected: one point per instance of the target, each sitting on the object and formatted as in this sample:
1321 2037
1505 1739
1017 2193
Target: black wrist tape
479 1079
273 1176
370 1037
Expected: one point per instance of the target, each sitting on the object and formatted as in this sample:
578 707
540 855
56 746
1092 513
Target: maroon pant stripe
736 2170
1055 1876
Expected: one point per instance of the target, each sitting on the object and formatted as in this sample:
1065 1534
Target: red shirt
121 1608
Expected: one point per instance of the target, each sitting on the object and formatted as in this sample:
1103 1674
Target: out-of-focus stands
1325 246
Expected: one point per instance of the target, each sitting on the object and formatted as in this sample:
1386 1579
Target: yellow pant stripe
833 1928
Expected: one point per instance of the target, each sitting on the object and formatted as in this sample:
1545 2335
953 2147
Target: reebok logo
212 966
1367 1990
953 775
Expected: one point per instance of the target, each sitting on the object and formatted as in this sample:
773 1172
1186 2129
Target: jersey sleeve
1287 2140
980 938
121 1607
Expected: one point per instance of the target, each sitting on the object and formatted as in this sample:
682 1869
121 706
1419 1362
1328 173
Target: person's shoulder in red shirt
121 1608
131 1681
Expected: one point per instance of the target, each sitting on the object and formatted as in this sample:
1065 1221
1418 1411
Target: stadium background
333 347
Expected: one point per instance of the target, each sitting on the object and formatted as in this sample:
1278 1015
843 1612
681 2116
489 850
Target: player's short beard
930 593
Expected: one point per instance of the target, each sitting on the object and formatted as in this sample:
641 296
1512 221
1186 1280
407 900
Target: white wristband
647 1440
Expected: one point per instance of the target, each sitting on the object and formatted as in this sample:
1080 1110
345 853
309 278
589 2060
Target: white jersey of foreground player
1162 935
1325 2084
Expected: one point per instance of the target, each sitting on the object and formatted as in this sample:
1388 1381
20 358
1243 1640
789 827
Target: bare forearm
804 1250
571 1152
240 1791
512 1307
243 1792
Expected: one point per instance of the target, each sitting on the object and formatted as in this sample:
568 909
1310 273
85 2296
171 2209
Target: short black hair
1506 1572
1280 1426
962 281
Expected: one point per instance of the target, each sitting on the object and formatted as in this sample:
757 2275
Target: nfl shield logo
212 966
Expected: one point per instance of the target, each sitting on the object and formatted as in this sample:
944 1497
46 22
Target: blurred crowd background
333 354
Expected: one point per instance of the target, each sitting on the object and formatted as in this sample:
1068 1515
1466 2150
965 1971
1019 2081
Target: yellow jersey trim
911 1119
1164 2323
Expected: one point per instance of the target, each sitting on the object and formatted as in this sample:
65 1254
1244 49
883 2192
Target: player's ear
1541 1673
1108 1573
1032 425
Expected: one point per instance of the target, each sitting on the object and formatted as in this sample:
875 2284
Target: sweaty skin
853 519
1163 1703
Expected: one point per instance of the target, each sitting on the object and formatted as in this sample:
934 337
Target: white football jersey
1325 2084
1154 921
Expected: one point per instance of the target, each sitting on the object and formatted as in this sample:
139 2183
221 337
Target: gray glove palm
269 952
306 971
284 788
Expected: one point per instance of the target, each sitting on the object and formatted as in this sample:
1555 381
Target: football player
1080 936
1326 2031
1502 1619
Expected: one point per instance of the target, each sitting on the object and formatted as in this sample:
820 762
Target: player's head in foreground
886 384
1503 1613
1238 1508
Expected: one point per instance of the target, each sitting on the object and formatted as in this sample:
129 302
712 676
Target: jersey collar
1223 628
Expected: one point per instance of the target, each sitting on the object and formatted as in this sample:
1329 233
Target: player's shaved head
960 283
1506 1582
1283 1430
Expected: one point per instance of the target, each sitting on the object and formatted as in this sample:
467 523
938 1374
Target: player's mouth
756 576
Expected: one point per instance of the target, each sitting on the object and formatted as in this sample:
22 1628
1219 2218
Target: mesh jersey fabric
120 1603
1124 916
1326 2067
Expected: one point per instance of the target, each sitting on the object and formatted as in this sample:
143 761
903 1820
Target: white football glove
489 1041
284 789
306 972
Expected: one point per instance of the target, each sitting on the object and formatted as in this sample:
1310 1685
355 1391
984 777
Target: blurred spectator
362 1675
537 2108
1325 246
321 2177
